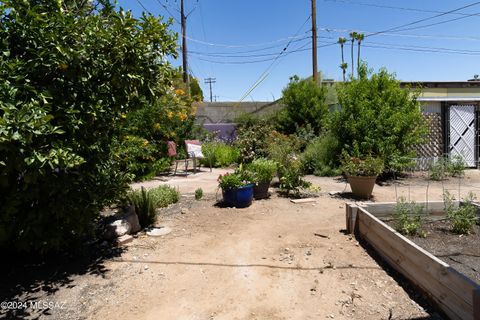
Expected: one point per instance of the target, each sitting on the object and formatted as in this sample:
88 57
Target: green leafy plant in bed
462 218
408 217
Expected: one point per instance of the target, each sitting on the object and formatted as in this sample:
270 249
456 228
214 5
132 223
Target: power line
244 45
141 4
265 74
423 20
440 22
168 11
396 8
242 54
432 36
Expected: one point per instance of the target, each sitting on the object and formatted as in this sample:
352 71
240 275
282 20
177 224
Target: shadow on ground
27 280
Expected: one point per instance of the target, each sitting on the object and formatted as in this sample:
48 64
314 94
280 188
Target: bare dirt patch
262 262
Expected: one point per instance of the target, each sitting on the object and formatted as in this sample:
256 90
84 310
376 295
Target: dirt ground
273 260
462 252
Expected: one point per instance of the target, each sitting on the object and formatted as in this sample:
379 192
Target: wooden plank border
476 304
457 295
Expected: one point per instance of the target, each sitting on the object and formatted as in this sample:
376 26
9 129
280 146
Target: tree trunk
358 60
353 70
343 61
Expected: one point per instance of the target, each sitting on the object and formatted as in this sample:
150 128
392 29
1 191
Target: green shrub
354 166
199 194
446 167
437 171
291 177
68 78
282 148
232 180
252 134
219 154
321 156
140 157
163 196
379 117
456 166
262 170
305 107
463 217
408 217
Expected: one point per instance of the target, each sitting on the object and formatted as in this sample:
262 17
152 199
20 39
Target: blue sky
228 40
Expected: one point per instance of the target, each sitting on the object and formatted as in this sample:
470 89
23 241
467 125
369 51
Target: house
453 109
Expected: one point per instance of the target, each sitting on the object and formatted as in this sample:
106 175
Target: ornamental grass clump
147 201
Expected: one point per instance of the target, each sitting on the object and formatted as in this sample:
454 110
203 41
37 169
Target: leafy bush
232 180
199 194
353 166
320 156
163 196
446 167
408 217
281 148
262 170
305 106
68 77
456 166
291 177
462 218
140 157
219 154
146 202
379 117
252 135
437 171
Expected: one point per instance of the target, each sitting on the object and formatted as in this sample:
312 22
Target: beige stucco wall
450 92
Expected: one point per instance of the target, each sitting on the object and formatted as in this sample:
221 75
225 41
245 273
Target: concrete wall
224 112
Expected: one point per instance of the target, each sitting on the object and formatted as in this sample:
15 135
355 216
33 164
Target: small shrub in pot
261 172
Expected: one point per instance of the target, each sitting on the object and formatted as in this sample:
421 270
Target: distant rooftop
473 83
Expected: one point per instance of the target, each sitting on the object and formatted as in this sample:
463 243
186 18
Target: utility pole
314 40
215 97
186 79
210 81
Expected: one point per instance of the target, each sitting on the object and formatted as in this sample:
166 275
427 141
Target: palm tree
342 41
360 37
344 67
353 36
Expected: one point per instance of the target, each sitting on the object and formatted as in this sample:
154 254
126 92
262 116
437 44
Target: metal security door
462 133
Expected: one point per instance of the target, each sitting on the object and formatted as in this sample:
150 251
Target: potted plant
362 173
261 171
237 192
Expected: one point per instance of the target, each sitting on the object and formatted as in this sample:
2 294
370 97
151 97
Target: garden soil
273 260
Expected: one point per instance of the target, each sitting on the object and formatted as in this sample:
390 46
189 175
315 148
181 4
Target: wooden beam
306 200
451 290
476 304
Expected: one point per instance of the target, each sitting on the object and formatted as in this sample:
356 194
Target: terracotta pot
362 186
260 191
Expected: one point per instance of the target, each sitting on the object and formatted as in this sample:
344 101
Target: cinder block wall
225 112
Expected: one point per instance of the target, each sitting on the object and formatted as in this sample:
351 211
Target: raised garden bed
454 292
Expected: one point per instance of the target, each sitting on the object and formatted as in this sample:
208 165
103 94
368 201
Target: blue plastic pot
238 197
